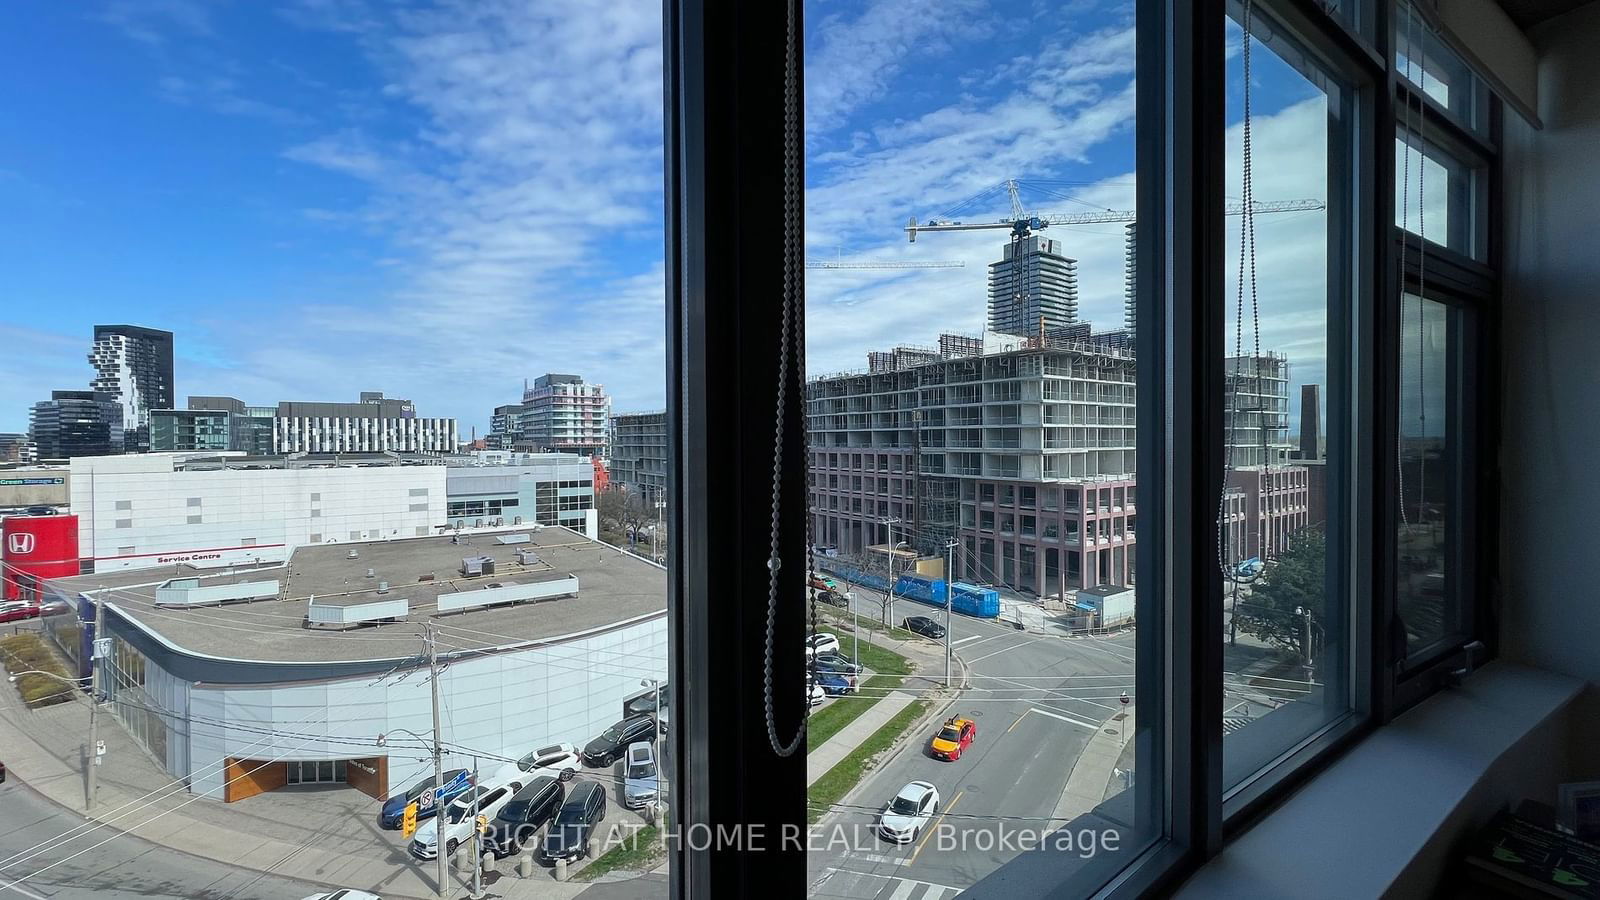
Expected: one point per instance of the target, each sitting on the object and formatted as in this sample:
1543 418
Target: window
419 492
124 504
194 520
1287 641
194 501
316 497
247 542
124 523
127 551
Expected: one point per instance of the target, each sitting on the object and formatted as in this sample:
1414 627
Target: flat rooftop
613 587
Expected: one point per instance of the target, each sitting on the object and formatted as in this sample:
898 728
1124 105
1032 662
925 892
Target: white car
345 894
556 760
904 817
457 824
641 782
814 693
822 643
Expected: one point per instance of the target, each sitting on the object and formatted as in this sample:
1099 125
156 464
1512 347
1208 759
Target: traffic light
483 824
408 821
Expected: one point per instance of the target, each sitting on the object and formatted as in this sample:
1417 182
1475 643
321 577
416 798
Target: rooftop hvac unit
383 587
352 555
370 573
477 565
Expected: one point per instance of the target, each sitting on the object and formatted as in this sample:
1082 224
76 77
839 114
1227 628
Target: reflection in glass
1284 644
1428 595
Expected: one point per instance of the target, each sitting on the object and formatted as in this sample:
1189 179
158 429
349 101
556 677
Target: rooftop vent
352 555
370 573
383 587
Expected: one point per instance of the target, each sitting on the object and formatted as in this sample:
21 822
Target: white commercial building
240 698
353 434
164 509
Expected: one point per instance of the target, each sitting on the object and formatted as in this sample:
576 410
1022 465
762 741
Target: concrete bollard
464 859
561 870
488 862
525 865
649 813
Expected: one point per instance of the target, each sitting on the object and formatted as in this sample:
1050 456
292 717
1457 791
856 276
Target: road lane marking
1018 721
930 884
998 652
1054 715
25 892
902 891
935 827
974 637
879 858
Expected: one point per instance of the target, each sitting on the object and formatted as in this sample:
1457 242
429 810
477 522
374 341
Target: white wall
506 704
274 508
1550 334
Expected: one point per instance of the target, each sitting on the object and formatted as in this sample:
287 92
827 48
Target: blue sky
327 196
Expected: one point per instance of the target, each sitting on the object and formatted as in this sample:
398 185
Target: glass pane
1284 642
992 363
280 196
1433 580
1439 195
1444 77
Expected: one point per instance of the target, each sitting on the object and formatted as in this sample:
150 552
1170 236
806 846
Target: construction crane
873 264
1022 223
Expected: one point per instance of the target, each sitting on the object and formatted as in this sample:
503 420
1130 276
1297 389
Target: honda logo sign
19 544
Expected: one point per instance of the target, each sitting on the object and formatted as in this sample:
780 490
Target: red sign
38 546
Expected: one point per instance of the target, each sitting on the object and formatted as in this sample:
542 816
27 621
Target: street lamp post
949 593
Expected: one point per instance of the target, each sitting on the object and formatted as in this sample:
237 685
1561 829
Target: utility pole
438 760
94 696
949 594
477 845
888 594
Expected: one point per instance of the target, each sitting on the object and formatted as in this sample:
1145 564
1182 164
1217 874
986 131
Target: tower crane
886 264
1022 223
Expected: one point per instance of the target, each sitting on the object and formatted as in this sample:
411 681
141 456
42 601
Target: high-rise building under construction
1033 289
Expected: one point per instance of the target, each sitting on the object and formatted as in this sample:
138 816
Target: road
1037 698
126 868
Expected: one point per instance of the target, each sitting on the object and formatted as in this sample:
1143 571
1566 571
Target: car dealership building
317 670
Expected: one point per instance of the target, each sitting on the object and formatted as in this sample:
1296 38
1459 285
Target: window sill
1383 818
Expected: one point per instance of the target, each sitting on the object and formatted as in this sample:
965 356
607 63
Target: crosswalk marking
965 639
1046 712
903 890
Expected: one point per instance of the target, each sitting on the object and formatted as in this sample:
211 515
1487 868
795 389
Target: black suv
605 749
568 837
523 815
924 626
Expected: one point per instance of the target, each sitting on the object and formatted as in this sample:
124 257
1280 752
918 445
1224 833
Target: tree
1294 582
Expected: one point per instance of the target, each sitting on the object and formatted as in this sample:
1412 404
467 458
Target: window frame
722 174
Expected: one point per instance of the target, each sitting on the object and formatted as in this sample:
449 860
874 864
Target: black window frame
724 160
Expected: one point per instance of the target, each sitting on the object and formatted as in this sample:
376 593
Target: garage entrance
249 777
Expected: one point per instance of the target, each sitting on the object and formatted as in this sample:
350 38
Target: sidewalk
848 738
1095 768
338 845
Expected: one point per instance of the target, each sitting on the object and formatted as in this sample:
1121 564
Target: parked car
834 685
824 583
345 894
519 821
456 782
458 819
604 750
40 511
954 737
646 705
924 626
814 693
641 782
823 642
832 598
557 760
568 837
834 662
17 611
904 817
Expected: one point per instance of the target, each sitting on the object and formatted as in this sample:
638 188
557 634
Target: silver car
641 782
